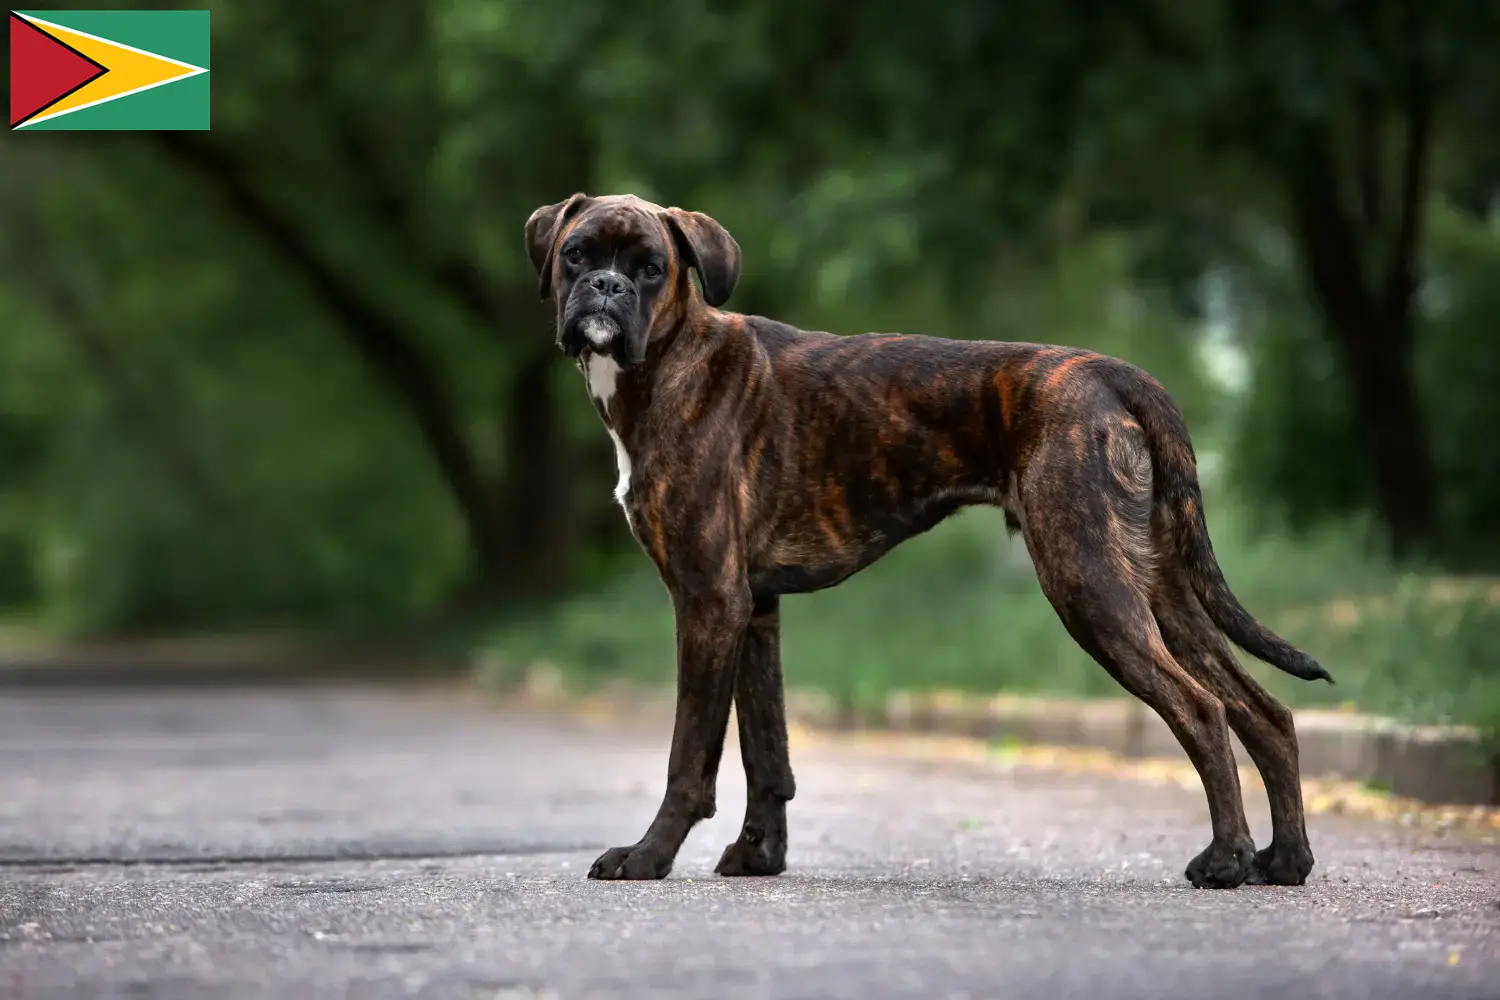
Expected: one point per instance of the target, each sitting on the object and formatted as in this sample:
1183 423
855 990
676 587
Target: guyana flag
141 70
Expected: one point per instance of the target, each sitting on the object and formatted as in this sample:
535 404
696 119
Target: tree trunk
1372 331
534 496
395 359
1379 369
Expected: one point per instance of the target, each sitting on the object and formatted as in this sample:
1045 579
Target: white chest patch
622 462
603 374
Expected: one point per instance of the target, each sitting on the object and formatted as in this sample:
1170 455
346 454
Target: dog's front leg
710 635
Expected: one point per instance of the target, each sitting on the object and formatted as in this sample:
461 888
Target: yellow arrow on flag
129 70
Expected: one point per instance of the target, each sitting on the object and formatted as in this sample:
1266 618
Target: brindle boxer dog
758 460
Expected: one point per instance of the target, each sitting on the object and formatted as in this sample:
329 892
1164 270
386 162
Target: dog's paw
1280 865
639 862
1222 867
749 857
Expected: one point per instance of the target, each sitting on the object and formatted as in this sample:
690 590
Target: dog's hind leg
1087 522
760 707
1262 723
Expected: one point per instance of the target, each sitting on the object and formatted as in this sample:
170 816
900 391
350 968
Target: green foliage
1297 453
1420 654
207 453
1459 369
294 369
960 609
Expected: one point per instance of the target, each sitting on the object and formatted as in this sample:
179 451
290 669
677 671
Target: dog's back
888 434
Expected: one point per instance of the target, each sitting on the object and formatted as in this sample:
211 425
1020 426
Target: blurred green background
291 374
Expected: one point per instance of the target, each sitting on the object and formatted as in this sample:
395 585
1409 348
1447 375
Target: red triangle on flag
43 70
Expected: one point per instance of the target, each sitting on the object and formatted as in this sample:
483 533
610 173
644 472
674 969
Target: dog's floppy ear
708 247
542 230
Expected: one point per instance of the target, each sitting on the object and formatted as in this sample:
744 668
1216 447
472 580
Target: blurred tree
1343 107
1325 120
328 155
1297 430
277 326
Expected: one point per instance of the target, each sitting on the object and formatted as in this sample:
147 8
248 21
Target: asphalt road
386 844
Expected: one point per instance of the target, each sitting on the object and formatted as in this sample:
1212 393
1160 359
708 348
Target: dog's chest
603 376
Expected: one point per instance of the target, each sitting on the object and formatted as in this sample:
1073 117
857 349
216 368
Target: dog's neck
622 394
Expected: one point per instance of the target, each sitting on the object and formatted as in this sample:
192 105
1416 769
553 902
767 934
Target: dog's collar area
641 391
587 352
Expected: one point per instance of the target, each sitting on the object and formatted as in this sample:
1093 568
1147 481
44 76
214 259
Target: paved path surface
388 844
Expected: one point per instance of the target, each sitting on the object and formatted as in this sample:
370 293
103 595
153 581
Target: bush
960 608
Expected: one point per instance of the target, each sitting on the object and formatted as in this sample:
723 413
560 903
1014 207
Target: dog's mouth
601 335
599 331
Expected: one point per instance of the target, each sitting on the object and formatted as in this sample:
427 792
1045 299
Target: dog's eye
652 271
573 255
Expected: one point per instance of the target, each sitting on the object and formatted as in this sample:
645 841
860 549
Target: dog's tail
1177 490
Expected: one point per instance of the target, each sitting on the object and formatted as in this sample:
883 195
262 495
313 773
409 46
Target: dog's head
618 268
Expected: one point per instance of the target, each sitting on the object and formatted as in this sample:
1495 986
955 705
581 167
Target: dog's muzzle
598 315
596 333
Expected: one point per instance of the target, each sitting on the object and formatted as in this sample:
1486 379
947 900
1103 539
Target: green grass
960 609
22 629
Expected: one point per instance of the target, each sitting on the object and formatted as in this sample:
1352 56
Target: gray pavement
395 843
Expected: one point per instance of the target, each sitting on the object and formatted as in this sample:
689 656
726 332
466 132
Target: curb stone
209 662
1436 765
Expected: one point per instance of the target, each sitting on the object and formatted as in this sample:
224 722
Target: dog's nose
608 285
